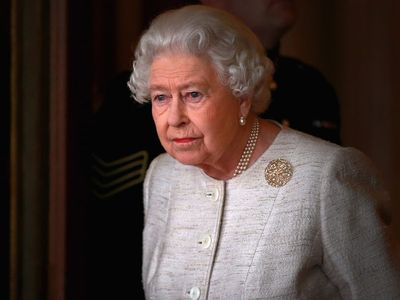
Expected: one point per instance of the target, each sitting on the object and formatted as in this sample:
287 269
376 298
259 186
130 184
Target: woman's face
195 115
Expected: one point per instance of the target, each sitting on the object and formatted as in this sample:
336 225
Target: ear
245 105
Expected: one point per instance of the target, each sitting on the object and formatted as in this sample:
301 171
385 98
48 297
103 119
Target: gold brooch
278 172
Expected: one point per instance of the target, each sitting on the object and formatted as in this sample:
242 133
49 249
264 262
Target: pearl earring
242 121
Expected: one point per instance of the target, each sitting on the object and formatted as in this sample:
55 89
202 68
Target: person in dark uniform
120 157
301 99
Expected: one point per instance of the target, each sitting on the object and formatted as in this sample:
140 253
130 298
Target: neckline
275 143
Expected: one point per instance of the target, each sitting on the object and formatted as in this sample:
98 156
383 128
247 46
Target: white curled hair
236 53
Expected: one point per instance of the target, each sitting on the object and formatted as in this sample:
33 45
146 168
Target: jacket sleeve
355 252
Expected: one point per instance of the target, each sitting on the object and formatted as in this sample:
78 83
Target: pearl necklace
248 150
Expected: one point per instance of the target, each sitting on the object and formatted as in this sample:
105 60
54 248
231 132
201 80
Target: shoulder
334 161
346 176
161 160
164 170
286 63
342 178
306 147
328 163
296 73
160 166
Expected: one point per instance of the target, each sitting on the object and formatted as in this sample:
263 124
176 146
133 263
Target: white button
212 194
194 293
205 241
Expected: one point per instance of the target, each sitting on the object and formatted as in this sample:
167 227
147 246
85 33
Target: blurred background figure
119 159
302 98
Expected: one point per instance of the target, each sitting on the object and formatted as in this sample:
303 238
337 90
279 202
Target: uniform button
205 241
194 293
212 194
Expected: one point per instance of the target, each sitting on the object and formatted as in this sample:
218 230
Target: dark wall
79 95
5 104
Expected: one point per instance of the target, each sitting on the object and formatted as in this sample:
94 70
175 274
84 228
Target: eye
159 98
193 96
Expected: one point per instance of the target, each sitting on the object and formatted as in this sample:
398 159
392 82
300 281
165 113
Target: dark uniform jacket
303 99
123 141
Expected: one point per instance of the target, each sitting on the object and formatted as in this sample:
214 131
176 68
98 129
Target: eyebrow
156 87
159 87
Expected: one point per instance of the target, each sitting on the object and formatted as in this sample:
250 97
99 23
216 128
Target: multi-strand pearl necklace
248 150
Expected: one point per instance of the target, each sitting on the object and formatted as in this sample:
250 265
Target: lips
183 140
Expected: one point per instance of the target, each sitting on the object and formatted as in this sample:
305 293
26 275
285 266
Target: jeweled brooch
278 172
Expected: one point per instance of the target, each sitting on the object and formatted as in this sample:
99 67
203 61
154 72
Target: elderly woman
239 207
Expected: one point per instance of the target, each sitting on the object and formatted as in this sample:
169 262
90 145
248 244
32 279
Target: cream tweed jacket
315 237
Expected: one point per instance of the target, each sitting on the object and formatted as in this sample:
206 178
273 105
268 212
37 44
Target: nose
177 113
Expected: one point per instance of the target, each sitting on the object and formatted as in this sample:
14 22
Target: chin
186 158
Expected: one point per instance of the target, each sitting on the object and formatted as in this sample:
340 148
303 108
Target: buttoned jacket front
315 237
